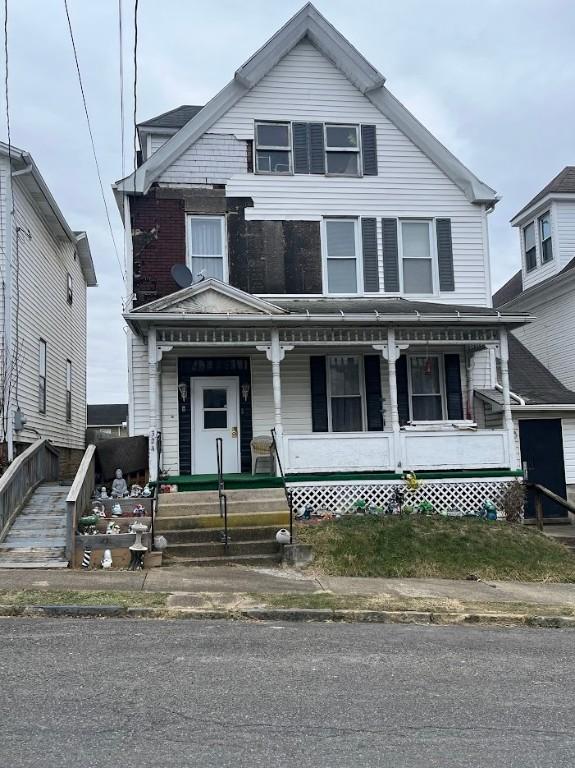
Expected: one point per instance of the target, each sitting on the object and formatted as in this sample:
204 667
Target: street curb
444 618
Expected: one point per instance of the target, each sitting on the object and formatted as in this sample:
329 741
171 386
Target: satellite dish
182 275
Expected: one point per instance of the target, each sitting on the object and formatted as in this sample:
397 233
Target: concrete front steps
37 538
193 527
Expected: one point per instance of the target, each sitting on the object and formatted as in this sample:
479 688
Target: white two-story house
305 256
46 270
544 287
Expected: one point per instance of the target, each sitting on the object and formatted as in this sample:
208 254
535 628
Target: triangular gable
211 297
309 23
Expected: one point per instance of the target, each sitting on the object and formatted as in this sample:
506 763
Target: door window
215 407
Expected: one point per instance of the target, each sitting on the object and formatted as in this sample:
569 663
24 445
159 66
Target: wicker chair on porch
263 461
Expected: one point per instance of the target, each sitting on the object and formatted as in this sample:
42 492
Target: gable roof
563 183
186 299
530 379
107 414
513 288
173 118
309 24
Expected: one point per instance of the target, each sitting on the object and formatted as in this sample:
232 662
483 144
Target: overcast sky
492 80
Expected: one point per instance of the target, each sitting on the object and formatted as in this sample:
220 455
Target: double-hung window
417 257
342 251
545 238
345 388
530 247
425 388
42 353
207 247
273 148
342 150
68 390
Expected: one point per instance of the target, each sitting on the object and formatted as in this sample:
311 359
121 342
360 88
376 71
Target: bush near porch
449 548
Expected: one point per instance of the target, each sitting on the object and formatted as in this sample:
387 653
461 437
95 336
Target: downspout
518 399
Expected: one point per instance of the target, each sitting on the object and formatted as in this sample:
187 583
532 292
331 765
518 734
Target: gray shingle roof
564 182
530 379
107 414
174 118
512 288
383 306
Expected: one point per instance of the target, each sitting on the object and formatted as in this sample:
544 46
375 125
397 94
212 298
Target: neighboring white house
46 268
545 287
341 287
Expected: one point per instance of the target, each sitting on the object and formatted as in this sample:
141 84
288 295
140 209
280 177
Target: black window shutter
390 255
317 150
369 150
373 400
445 254
300 147
453 387
369 247
402 390
318 394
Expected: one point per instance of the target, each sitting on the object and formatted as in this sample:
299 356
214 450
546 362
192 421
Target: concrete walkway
237 579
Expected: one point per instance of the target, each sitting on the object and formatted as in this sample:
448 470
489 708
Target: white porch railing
387 452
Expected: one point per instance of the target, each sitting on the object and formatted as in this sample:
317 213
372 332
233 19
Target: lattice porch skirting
466 495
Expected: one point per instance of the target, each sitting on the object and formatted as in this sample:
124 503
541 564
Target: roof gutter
544 407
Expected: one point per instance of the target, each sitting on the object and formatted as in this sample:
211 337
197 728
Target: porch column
391 352
275 353
507 416
154 405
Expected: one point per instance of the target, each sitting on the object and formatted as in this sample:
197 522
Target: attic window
530 247
273 148
545 238
342 150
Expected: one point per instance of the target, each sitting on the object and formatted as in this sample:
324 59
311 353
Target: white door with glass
215 414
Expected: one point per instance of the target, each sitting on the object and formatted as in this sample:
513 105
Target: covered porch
352 392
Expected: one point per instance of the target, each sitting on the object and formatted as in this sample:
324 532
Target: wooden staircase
193 527
37 537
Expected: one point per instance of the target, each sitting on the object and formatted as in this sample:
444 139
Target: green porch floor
245 480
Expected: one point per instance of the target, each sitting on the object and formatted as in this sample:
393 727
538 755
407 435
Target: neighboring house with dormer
46 270
545 288
337 286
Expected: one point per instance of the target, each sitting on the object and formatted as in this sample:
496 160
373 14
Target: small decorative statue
139 510
136 491
119 486
117 510
98 509
86 558
107 559
137 548
113 528
104 493
282 536
147 491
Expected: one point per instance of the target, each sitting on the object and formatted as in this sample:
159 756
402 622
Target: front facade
46 271
338 287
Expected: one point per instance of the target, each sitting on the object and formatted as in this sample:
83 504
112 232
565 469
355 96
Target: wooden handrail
541 490
78 499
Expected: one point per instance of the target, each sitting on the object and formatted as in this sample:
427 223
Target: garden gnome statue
119 486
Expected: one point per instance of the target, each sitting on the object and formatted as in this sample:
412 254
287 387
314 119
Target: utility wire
135 83
122 120
92 138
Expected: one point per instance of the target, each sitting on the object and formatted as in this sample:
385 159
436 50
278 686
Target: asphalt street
102 693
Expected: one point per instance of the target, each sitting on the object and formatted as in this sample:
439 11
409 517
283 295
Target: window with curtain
345 394
342 150
42 376
206 247
417 257
341 252
68 390
530 247
426 388
545 237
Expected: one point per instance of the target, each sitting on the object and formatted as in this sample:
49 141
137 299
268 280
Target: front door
541 443
215 414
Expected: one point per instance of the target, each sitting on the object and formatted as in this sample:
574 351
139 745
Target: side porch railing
78 499
37 464
222 498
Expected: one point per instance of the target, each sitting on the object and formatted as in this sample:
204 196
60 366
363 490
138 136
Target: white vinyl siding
564 218
169 410
140 387
568 428
44 312
213 159
305 86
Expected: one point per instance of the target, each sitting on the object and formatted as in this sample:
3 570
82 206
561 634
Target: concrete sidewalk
239 579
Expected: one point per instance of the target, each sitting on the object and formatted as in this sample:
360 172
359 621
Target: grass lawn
82 597
450 548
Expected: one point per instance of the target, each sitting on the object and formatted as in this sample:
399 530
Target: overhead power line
122 111
92 138
135 82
